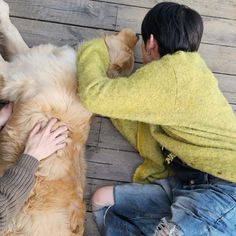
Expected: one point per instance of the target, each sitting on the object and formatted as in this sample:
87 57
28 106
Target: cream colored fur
42 84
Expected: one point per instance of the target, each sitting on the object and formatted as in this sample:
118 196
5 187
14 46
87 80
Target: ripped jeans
204 206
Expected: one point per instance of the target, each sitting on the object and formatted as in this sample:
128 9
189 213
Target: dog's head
121 46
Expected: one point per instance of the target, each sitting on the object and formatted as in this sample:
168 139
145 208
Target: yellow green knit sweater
173 102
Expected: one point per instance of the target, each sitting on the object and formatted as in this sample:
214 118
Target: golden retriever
42 83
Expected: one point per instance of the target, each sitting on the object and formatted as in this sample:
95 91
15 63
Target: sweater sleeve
148 95
15 185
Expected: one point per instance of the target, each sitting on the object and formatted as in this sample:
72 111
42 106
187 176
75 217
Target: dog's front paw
4 11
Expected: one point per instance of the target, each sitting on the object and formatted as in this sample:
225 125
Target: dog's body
42 84
55 207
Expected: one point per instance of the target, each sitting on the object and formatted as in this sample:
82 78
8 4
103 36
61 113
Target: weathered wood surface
110 159
215 8
90 226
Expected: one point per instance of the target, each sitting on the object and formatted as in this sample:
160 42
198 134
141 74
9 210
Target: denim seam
222 216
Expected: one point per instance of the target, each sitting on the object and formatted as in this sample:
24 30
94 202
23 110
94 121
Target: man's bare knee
103 197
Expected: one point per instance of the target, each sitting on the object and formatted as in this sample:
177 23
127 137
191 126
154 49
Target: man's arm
147 95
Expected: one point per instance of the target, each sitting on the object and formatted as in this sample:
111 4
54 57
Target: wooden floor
110 158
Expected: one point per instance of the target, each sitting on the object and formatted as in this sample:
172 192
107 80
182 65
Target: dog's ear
117 67
114 70
120 68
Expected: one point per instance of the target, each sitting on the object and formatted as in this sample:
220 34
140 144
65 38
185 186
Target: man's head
169 27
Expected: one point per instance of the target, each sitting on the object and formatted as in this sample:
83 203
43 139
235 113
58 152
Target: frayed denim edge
108 207
167 229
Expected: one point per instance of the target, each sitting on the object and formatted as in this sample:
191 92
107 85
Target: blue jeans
203 206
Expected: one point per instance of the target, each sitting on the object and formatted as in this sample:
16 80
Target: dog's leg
77 216
11 42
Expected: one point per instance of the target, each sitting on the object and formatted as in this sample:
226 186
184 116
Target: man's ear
152 48
151 45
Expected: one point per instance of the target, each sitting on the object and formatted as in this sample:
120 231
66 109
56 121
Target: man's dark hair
174 26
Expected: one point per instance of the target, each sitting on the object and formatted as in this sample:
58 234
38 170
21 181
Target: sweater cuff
28 162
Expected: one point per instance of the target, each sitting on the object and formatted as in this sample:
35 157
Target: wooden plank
234 108
231 97
215 8
38 32
111 138
111 164
219 58
94 133
217 31
227 83
90 226
104 135
74 12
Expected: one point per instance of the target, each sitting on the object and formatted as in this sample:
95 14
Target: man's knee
103 197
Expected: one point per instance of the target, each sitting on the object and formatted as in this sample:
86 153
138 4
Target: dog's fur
42 83
122 61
